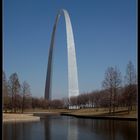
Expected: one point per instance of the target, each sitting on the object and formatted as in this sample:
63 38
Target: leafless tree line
115 93
16 96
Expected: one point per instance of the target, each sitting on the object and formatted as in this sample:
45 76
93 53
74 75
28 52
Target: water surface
70 128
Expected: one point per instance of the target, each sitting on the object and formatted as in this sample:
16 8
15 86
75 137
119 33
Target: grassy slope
120 112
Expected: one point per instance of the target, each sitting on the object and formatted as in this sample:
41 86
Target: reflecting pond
70 128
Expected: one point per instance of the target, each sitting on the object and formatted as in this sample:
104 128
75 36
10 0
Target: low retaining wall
101 117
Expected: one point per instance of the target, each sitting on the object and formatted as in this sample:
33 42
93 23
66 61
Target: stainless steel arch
73 88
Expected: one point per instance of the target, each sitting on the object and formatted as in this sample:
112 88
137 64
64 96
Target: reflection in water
70 128
47 129
23 131
109 129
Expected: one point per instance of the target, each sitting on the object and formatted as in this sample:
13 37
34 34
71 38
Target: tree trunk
110 109
23 102
128 109
113 109
12 104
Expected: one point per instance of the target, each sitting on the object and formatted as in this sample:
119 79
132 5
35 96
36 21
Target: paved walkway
9 117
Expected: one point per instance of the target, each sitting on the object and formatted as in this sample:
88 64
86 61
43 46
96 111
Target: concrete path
9 117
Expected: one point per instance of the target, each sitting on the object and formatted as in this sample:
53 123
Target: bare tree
35 102
25 94
104 98
14 87
97 98
83 100
40 103
73 100
56 104
130 85
92 99
130 77
66 102
44 103
5 94
112 82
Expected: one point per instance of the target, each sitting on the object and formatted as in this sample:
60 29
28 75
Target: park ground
28 115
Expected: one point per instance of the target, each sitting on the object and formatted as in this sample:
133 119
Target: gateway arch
73 89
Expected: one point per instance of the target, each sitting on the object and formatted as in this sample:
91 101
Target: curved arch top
73 88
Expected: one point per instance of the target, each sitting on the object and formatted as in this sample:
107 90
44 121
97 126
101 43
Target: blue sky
105 33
